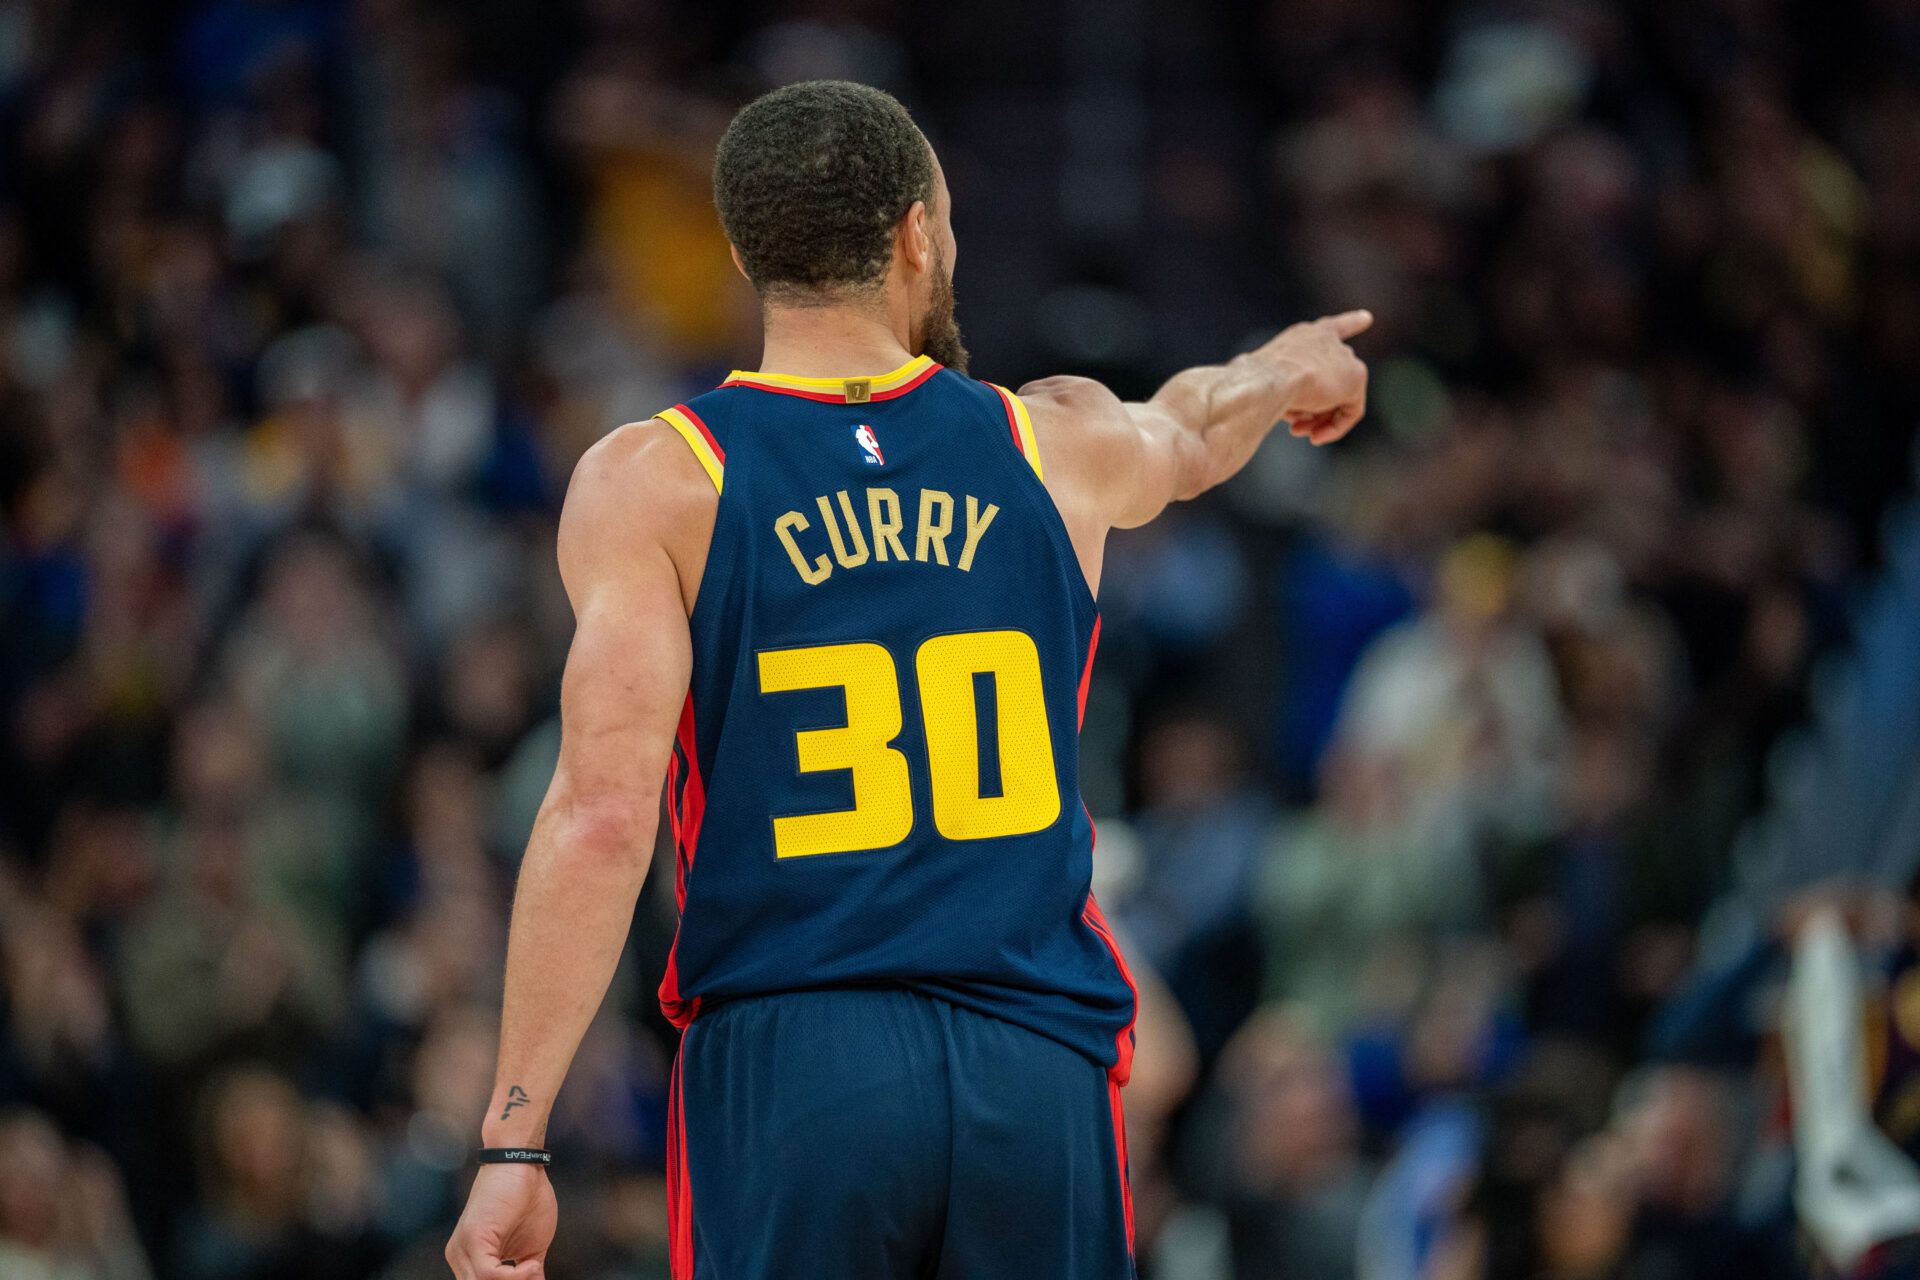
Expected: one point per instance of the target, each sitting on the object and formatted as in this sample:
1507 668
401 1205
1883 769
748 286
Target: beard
940 332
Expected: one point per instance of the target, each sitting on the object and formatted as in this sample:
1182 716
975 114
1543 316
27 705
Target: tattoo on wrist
516 1097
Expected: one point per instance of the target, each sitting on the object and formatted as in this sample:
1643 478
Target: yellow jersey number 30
945 668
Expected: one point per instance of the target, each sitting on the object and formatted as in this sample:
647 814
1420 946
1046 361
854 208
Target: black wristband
515 1155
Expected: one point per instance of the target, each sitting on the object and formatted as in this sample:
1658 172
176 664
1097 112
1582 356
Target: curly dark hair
810 181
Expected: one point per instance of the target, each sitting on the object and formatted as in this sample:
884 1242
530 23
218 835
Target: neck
831 341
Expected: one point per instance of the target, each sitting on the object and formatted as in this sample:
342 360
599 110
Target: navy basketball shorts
879 1134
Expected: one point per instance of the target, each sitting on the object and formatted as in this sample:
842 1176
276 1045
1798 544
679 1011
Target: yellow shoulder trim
1022 428
703 450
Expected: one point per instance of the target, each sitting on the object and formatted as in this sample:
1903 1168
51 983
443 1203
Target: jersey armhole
1020 427
706 450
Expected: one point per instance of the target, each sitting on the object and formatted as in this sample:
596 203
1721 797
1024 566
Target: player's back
876 780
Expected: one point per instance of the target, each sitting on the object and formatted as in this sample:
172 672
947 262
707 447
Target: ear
738 265
916 237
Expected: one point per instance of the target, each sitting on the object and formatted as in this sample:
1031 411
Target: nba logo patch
869 445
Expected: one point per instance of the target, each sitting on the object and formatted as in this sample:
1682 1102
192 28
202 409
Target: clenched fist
507 1227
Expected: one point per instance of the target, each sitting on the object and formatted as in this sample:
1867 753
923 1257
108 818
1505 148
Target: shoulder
1075 419
1079 425
1065 395
1061 411
1054 395
1081 433
637 472
640 486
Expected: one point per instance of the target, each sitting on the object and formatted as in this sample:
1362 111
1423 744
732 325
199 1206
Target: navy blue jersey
876 778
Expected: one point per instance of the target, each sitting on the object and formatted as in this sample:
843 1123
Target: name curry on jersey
849 529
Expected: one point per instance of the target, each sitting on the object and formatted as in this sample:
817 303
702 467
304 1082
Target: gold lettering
783 528
886 528
848 559
933 533
976 528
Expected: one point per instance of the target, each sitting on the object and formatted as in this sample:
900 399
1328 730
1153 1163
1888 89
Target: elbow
603 829
1191 483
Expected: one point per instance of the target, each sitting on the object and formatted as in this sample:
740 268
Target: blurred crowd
1418 762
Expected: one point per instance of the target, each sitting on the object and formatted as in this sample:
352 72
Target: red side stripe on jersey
706 433
693 806
1123 1042
1120 1147
680 1184
1086 672
1013 423
1091 913
685 816
1123 1054
673 804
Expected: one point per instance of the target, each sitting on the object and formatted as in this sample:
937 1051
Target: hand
1327 391
507 1227
97 1223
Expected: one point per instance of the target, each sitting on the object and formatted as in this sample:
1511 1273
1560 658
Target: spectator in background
63 1036
420 411
1461 704
445 183
1200 831
62 1212
298 862
1353 889
1283 1153
1652 1194
311 663
642 143
210 968
282 1196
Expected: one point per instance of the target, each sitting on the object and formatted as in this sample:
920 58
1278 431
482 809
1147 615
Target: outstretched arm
620 700
1117 464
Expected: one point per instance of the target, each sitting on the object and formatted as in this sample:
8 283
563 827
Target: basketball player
846 607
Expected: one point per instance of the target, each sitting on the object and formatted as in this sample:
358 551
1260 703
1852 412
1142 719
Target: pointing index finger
1349 323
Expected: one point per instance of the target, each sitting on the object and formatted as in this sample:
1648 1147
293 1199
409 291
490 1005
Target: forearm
1223 413
571 912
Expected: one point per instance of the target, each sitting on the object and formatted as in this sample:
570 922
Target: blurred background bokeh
1462 783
